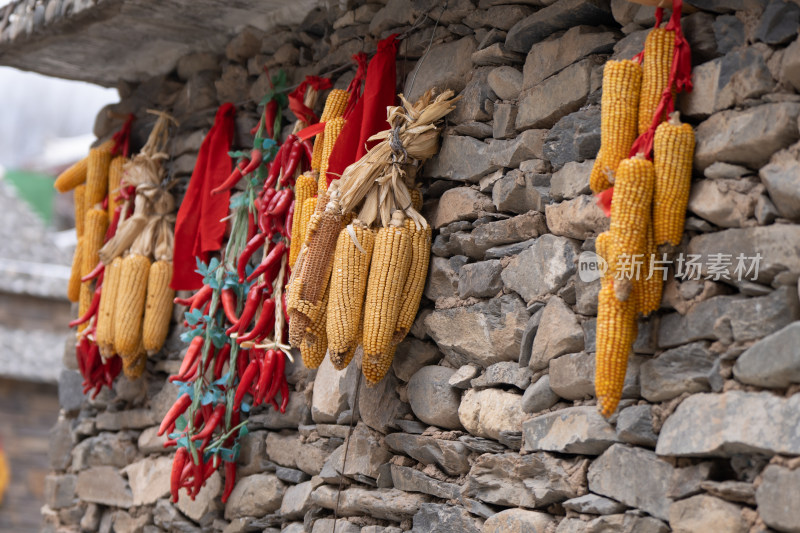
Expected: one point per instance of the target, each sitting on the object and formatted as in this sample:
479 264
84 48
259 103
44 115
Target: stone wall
487 421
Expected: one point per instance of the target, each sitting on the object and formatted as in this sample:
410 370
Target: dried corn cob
622 81
85 295
133 367
304 188
315 341
309 207
97 177
79 199
95 232
391 261
673 150
130 302
341 360
648 291
158 306
415 282
74 286
333 128
114 181
658 52
416 199
104 336
348 283
616 332
335 105
72 177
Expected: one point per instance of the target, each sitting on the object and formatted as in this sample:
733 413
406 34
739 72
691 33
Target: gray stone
778 499
773 361
197 62
558 334
579 430
508 250
244 45
515 229
480 280
462 377
720 170
332 390
484 333
59 490
549 57
518 521
558 16
683 369
233 85
575 137
506 82
512 153
778 23
298 413
104 485
380 406
255 495
542 268
748 137
579 218
150 442
539 396
281 448
329 525
387 504
296 501
476 99
532 480
543 105
586 294
728 32
290 475
648 479
128 419
594 504
61 442
70 390
504 373
411 480
149 479
433 399
488 412
734 422
413 354
572 376
442 280
478 130
781 179
790 67
450 456
526 344
635 426
450 163
461 203
446 66
504 121
206 503
310 456
105 449
253 457
364 454
622 523
571 180
719 203
495 54
734 491
706 513
438 518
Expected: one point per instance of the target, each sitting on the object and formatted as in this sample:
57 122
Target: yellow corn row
305 187
622 82
86 293
391 261
95 232
415 282
129 308
335 105
74 285
348 283
341 360
114 180
72 177
673 148
616 332
79 199
309 207
315 341
658 52
104 336
97 176
648 291
630 216
158 306
333 128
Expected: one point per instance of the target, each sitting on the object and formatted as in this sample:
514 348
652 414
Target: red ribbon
122 139
296 97
354 88
199 228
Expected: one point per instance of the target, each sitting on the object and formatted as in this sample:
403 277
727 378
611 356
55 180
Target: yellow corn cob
616 332
304 188
648 291
95 232
114 180
622 81
391 261
309 207
72 177
315 341
673 148
104 336
97 176
133 367
630 216
129 308
79 199
335 105
86 293
658 51
348 283
415 282
333 128
341 360
74 286
416 199
158 306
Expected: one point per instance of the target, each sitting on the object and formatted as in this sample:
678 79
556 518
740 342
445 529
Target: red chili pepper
244 384
192 353
93 307
270 114
200 296
281 204
249 311
265 379
284 394
211 423
198 477
219 361
275 167
280 365
255 162
230 480
252 227
229 183
112 228
228 298
291 140
252 245
264 323
291 163
273 258
290 217
308 151
177 409
177 469
105 204
99 269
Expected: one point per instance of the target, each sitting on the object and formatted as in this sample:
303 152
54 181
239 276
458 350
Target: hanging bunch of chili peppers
237 321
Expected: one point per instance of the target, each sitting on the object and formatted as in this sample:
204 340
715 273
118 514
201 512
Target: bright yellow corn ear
97 177
95 229
85 295
74 285
104 336
79 200
673 149
114 180
333 128
304 188
659 47
309 207
622 82
616 332
391 261
415 282
158 306
129 308
315 341
335 105
347 287
72 177
648 291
